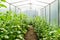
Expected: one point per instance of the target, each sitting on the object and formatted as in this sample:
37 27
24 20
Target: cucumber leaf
3 0
2 5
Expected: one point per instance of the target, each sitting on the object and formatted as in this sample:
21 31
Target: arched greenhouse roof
30 3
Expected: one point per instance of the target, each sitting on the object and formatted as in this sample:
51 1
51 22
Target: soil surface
31 35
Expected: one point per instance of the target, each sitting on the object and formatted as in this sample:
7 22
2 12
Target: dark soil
31 35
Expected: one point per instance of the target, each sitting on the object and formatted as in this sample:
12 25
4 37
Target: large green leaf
2 5
3 0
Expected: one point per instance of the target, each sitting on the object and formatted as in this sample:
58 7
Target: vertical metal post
49 13
45 12
58 12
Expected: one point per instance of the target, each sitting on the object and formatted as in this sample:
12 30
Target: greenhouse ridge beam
30 4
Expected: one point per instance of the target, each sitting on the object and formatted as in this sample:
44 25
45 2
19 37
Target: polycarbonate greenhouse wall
48 9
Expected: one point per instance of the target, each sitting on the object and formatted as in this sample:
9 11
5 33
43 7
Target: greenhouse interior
29 19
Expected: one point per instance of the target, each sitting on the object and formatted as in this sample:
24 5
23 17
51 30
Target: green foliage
3 0
44 30
2 5
14 26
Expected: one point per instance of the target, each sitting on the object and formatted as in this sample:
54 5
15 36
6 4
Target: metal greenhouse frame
48 4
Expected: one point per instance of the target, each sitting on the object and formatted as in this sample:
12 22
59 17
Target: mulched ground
31 35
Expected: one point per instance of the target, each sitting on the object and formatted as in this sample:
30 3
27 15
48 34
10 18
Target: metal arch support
50 3
17 2
53 2
42 2
46 2
38 5
38 1
22 4
32 4
12 5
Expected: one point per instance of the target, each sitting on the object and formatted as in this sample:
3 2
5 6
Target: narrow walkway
30 35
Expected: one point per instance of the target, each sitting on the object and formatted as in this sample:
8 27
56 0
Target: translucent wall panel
18 10
37 8
39 12
54 13
31 13
47 13
43 12
12 8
